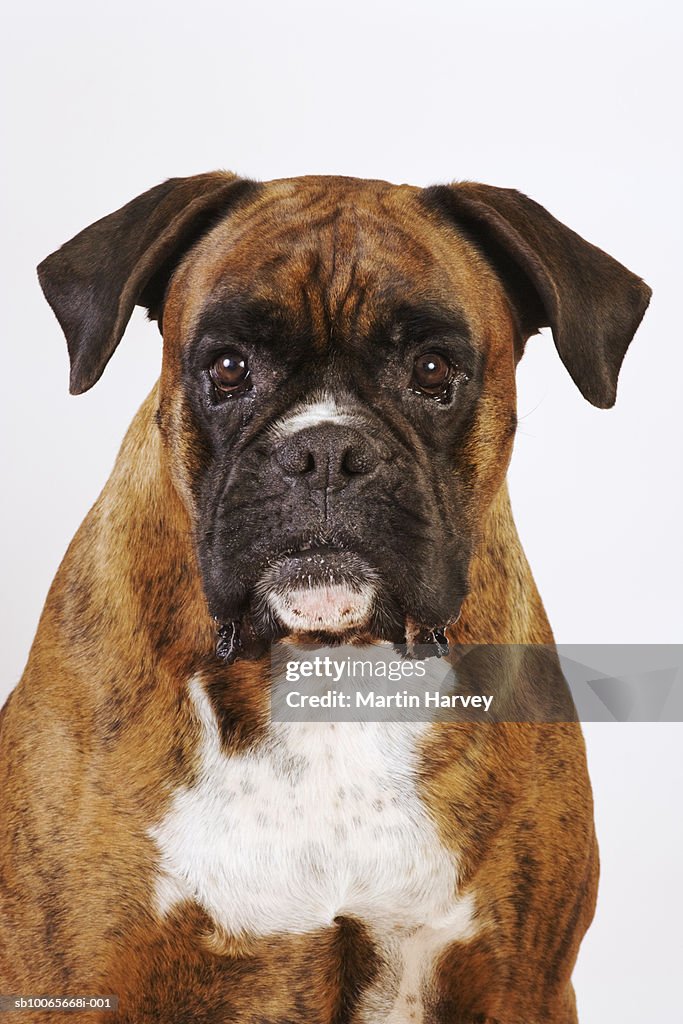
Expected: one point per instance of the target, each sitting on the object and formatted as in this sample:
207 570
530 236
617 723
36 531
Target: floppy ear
93 282
555 279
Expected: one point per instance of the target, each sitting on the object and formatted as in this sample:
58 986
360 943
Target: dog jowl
337 397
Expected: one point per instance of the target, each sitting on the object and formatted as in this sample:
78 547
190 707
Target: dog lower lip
320 589
307 549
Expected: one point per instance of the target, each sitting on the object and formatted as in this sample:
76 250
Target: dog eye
431 372
230 371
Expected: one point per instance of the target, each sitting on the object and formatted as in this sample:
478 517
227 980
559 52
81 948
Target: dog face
337 400
329 377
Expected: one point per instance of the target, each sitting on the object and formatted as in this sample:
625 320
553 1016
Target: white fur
322 820
401 993
334 607
323 409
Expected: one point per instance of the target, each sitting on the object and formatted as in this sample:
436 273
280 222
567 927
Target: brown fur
98 732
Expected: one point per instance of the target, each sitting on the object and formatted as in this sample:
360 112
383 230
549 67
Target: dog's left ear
554 278
94 281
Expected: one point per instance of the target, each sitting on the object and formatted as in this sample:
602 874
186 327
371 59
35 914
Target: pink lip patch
333 607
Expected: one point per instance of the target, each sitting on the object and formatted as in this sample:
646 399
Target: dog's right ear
93 282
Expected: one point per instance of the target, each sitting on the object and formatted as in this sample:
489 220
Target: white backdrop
576 104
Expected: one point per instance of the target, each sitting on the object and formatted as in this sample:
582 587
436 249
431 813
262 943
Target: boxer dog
323 459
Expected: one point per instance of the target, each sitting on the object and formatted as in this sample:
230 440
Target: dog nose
328 456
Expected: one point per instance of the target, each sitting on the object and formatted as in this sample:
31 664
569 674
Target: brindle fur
99 732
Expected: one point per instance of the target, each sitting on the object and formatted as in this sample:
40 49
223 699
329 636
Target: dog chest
324 820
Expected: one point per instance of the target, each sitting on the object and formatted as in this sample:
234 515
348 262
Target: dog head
337 396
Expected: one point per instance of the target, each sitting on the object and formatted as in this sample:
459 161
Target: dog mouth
320 593
320 590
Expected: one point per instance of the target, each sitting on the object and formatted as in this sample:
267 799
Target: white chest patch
324 820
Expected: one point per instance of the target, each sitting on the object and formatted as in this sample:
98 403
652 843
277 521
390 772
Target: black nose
329 456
